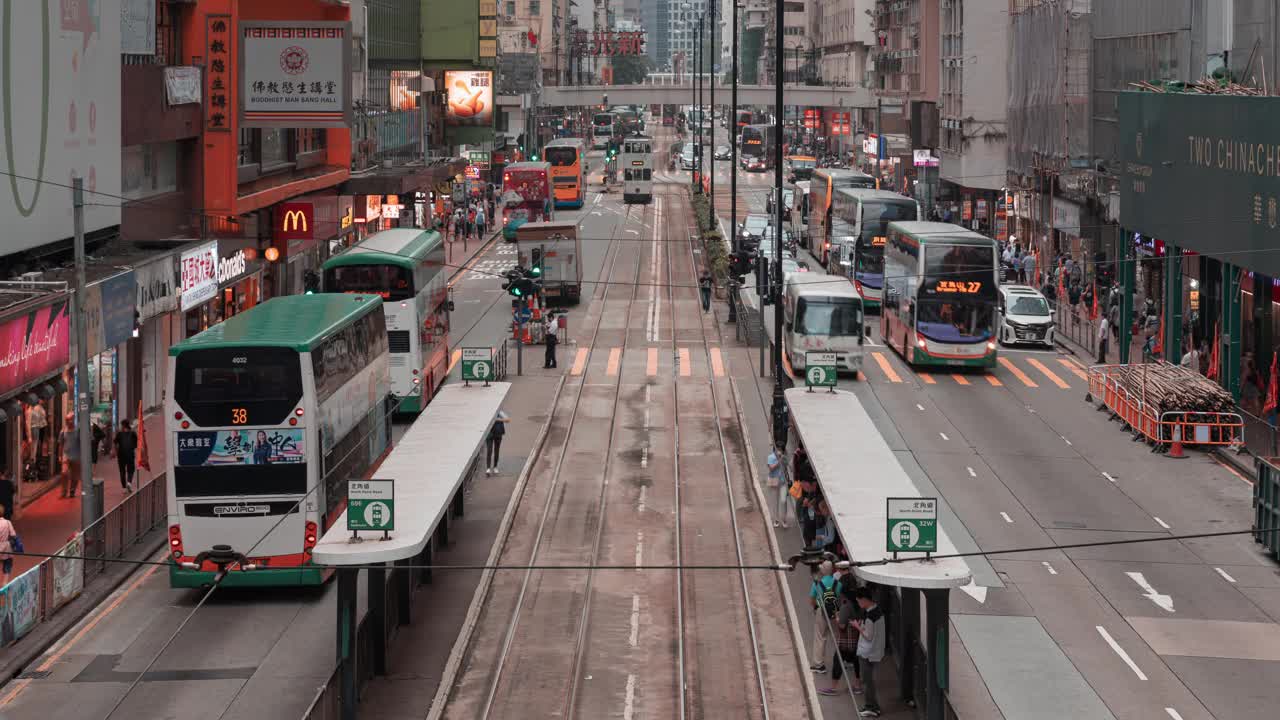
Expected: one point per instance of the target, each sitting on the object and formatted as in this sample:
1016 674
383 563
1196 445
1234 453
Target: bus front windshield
876 216
561 156
956 321
389 281
839 317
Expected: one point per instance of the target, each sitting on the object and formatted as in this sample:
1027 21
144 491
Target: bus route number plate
371 505
912 523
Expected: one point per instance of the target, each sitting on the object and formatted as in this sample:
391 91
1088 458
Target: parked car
1025 316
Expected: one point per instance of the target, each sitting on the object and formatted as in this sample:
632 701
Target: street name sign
477 364
371 505
820 369
912 524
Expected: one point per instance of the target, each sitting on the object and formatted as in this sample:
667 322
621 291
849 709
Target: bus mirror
450 306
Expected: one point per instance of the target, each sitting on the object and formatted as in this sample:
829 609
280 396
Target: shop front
306 230
160 324
218 279
109 324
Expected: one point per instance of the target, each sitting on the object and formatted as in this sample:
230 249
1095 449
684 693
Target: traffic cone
1175 449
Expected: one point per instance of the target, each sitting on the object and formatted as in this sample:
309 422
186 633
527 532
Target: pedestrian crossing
684 362
1020 371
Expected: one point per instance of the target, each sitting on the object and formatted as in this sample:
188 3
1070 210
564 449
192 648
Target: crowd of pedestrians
470 219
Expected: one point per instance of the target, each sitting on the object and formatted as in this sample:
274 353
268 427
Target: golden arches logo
294 221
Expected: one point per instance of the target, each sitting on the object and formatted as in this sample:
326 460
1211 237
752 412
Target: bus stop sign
477 364
912 524
371 505
820 369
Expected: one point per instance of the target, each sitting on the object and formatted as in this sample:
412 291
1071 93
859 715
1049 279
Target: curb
463 641
797 641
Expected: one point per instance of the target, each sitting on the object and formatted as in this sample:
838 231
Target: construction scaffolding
1049 86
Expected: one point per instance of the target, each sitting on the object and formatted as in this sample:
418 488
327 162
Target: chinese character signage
295 74
470 97
812 118
217 72
33 345
270 446
198 271
610 42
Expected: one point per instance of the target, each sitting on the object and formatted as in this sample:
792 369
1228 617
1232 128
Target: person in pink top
7 533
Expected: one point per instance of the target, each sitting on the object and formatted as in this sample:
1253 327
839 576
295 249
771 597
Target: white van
822 313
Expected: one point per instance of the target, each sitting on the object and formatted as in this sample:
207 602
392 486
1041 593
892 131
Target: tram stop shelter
857 471
434 460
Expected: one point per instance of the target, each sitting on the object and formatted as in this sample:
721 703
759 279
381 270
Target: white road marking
628 705
1120 651
944 436
1173 713
1064 437
644 456
1006 517
975 591
1162 523
635 620
918 405
1048 567
971 472
639 549
633 231
599 197
1108 476
1162 601
596 213
655 298
1224 575
643 492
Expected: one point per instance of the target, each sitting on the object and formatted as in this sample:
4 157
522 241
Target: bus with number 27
269 413
406 268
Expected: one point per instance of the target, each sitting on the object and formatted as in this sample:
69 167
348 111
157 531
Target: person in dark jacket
126 450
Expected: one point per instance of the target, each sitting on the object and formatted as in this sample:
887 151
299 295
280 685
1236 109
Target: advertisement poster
68 572
198 271
272 446
404 89
18 606
33 345
470 97
295 74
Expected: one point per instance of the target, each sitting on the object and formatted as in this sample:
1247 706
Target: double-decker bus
526 196
863 218
822 188
743 118
269 413
940 294
757 147
637 169
406 268
603 128
800 212
568 158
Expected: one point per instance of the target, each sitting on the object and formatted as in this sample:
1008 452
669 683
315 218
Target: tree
630 69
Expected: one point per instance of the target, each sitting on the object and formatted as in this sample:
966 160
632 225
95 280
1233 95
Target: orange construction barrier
1168 431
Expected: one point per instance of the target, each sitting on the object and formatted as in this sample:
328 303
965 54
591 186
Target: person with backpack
480 223
493 443
823 600
846 654
871 630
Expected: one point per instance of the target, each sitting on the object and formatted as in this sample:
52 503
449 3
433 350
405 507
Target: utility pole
91 500
711 164
879 140
699 51
731 122
779 401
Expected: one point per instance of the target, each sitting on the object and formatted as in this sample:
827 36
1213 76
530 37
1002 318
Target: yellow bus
568 158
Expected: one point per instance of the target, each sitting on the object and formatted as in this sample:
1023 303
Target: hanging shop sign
924 158
117 306
1066 216
870 145
33 345
472 172
295 221
217 73
198 270
155 283
470 97
232 266
980 206
295 74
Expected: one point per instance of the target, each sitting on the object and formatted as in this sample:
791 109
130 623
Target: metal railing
40 593
500 360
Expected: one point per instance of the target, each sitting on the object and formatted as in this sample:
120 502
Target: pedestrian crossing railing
1162 429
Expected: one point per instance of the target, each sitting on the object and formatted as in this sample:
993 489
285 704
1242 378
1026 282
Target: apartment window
266 151
511 8
309 140
535 7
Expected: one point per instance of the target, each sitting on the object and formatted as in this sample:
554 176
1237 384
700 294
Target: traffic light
740 264
535 262
512 285
762 281
310 282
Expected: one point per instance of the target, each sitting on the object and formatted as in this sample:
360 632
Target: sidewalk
51 520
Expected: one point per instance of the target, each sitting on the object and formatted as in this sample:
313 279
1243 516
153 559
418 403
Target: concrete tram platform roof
858 471
428 466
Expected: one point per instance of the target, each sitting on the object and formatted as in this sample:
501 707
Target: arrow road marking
1164 602
975 591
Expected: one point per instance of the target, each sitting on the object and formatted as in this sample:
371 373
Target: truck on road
554 249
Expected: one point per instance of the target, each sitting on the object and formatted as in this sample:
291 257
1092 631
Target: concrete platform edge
797 641
463 641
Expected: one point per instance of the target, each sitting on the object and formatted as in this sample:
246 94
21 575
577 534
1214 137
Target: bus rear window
389 281
561 156
238 386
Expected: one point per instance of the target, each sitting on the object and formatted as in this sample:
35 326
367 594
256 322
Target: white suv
1025 316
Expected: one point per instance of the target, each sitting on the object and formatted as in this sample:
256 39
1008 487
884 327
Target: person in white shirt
1104 335
551 328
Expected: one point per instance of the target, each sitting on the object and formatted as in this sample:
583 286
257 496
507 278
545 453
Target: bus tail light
415 371
858 286
293 421
185 424
826 246
177 416
920 342
175 540
309 541
298 412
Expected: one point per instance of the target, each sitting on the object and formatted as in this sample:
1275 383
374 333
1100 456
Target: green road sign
912 524
371 505
477 364
820 369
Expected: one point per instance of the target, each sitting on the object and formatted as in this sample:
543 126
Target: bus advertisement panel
940 294
526 196
568 158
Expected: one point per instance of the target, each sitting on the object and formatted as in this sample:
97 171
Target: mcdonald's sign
295 221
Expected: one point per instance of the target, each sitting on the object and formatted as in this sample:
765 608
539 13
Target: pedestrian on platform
870 648
471 221
824 527
1191 359
778 485
480 222
809 499
822 599
846 634
704 287
493 442
1104 334
69 441
126 454
551 330
7 533
99 436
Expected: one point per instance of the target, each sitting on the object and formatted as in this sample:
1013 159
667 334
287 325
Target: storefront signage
33 345
924 158
118 293
295 221
480 158
1066 216
295 74
980 206
232 266
198 270
470 97
371 207
217 73
348 217
473 172
241 447
870 145
155 283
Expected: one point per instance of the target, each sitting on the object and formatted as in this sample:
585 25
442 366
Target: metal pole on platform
779 401
711 164
91 502
733 138
346 628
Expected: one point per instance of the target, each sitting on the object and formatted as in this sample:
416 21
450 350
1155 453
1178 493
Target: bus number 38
239 416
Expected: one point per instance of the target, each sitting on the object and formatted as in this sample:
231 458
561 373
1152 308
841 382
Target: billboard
470 97
404 89
295 74
1203 172
34 345
61 118
198 272
272 446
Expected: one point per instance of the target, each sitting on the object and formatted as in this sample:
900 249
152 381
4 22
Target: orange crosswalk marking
885 367
651 366
717 365
960 378
1074 367
615 359
1017 372
927 378
993 380
579 362
1048 373
686 367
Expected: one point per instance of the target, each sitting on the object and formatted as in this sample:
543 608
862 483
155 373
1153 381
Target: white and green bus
269 413
406 267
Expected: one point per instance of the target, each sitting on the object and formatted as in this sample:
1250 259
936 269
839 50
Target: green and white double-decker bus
268 415
406 267
940 294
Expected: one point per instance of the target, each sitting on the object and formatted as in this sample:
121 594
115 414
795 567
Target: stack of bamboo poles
1203 87
1172 388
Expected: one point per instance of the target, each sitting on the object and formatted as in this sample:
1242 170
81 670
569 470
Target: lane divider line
1120 651
1161 523
1225 576
1053 377
1017 372
615 359
886 368
580 361
1073 367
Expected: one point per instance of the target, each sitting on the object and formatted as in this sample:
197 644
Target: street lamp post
731 122
779 401
711 164
699 53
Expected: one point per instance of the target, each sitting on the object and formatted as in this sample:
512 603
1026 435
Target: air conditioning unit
31 277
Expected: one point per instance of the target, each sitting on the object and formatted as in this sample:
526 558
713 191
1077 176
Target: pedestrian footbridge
681 93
